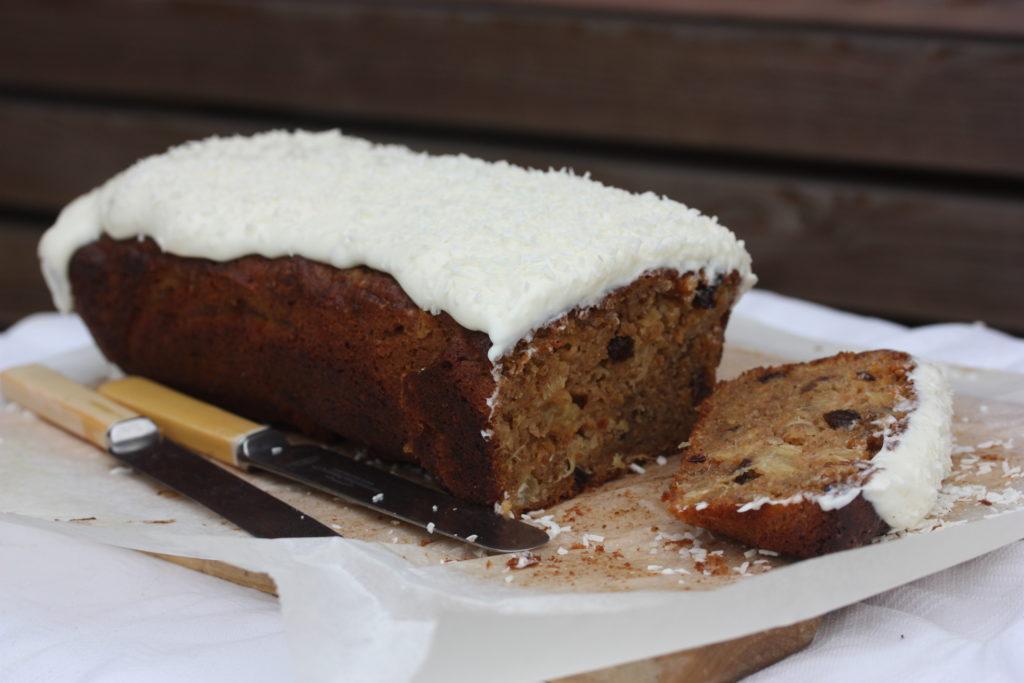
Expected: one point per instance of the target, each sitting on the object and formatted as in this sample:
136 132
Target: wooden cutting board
717 663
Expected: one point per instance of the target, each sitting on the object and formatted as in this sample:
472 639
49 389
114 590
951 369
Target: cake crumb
522 560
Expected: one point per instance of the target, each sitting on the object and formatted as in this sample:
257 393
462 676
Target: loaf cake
519 334
811 458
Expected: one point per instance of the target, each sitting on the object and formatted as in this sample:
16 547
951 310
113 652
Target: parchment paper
620 580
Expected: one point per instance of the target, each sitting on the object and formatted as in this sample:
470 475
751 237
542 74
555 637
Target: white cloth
75 611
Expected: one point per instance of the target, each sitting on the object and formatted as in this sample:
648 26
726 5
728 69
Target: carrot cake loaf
520 334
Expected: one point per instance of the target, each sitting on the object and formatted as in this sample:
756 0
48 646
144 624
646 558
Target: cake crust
345 352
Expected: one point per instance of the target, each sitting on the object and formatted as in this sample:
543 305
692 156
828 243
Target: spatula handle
195 425
65 403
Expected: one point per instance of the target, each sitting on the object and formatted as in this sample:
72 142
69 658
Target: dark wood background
870 153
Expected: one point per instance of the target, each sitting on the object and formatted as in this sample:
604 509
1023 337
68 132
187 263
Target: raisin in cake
520 334
811 458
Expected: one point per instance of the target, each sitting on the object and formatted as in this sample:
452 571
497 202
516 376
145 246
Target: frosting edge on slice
912 464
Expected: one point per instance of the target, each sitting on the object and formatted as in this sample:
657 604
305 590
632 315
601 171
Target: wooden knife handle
195 425
64 402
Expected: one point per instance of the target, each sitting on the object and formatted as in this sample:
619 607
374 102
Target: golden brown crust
772 442
345 352
298 343
798 529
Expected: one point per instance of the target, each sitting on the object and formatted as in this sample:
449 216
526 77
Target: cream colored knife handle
67 404
191 423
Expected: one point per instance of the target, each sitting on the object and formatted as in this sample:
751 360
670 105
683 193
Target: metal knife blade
370 487
234 499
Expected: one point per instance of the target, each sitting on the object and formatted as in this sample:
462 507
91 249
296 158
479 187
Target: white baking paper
411 607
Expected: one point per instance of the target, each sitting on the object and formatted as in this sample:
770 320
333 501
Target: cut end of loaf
607 386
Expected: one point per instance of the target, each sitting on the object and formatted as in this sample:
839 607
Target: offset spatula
241 443
136 441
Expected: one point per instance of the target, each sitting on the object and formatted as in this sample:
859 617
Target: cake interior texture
778 454
607 386
346 353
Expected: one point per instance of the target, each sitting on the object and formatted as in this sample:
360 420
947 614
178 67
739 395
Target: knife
240 443
136 441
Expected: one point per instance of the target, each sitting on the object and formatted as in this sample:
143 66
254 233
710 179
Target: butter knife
136 442
241 443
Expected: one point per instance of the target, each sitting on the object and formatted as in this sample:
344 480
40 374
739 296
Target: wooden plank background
872 161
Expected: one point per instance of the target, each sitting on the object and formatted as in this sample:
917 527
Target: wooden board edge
222 570
716 663
726 661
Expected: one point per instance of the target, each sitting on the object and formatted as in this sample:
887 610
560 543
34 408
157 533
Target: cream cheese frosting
911 464
500 248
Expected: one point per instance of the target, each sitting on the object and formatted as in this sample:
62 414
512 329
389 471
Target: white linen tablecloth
71 610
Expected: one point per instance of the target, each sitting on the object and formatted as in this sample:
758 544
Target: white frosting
500 248
832 500
911 465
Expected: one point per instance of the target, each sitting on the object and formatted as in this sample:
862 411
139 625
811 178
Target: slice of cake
811 458
520 334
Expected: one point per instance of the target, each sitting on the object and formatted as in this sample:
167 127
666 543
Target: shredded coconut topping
547 523
500 248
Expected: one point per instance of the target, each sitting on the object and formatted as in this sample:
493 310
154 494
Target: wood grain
997 18
198 426
914 252
717 663
22 290
73 407
222 570
938 101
